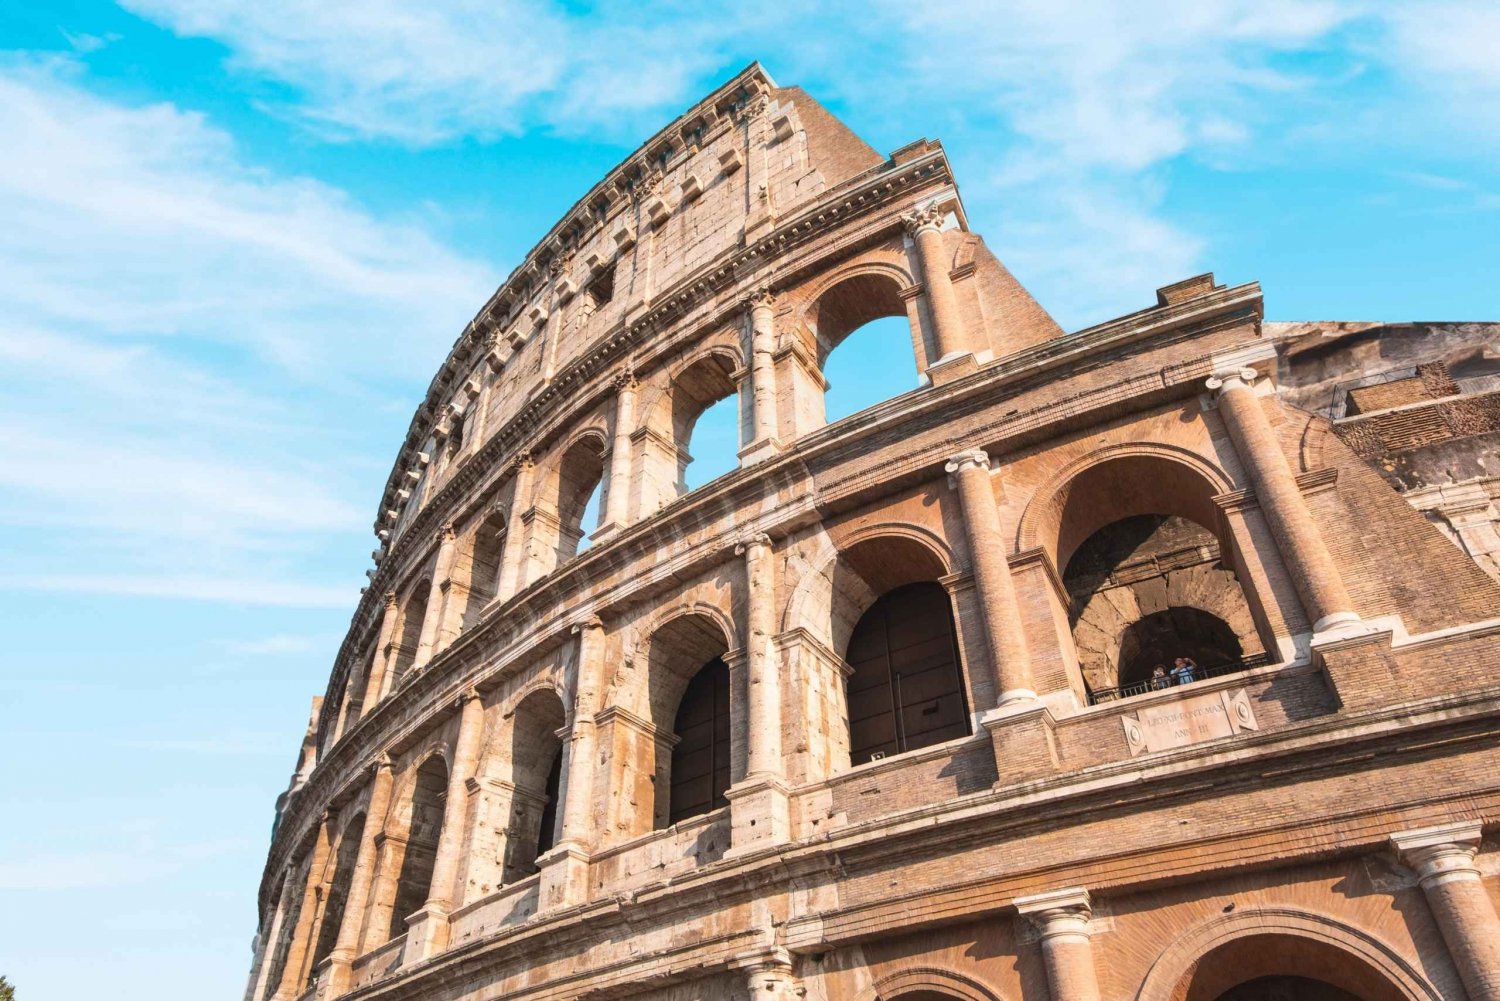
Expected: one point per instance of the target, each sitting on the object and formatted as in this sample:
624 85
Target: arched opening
705 421
338 889
579 479
690 704
485 555
865 347
291 915
905 688
1160 639
536 773
1150 573
408 634
700 759
424 828
1284 967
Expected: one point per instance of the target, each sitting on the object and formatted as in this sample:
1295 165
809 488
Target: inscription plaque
1188 721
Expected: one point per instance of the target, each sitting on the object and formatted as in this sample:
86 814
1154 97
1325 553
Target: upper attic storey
720 177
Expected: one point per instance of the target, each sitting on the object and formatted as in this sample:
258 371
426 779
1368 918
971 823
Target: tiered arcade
873 715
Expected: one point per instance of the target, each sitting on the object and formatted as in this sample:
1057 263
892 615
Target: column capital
1440 853
625 380
466 696
382 763
1058 912
390 600
750 542
585 623
968 457
520 461
1231 378
760 297
926 217
445 533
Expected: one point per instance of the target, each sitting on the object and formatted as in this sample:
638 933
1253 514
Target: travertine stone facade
874 716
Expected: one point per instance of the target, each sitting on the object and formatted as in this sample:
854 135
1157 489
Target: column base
759 815
952 366
426 934
1024 740
565 876
335 975
759 451
1340 626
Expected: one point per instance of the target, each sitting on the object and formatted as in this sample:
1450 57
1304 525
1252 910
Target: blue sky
239 236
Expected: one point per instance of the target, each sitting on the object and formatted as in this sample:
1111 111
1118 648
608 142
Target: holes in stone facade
536 773
689 690
906 690
485 556
580 478
705 413
861 327
409 633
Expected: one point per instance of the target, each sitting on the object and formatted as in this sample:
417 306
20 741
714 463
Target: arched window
487 550
700 759
424 828
906 690
689 766
865 347
705 421
579 476
1147 590
291 914
409 633
338 890
536 773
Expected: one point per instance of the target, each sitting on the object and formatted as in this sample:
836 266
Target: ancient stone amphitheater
876 715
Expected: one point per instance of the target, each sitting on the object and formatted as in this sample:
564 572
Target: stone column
1443 857
759 813
376 683
764 443
346 948
294 973
770 978
970 473
925 227
1063 918
436 598
1317 579
428 929
390 853
565 870
524 470
617 494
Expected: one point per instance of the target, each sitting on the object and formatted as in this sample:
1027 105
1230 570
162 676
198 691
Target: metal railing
1165 684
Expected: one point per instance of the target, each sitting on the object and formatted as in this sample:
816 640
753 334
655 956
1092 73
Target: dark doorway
1286 989
1162 637
906 690
700 761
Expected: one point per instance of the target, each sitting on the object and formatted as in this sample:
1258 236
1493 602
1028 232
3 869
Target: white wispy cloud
281 643
180 323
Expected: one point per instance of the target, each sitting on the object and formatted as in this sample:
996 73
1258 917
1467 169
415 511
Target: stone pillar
565 870
375 686
1443 857
763 416
442 578
759 813
524 471
617 493
1318 582
970 473
294 973
346 948
428 929
955 356
1063 917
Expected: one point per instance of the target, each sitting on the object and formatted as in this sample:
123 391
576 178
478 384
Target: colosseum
1152 660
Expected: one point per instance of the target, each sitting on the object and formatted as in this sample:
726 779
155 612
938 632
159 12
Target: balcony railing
1202 673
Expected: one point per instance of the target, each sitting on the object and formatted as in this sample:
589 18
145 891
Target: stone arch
1170 477
407 636
532 747
828 326
419 823
691 386
340 874
575 477
484 553
1282 940
816 605
919 983
678 649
